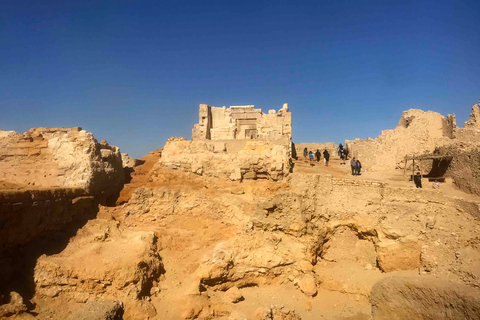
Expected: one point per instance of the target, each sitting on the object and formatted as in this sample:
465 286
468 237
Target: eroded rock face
102 259
60 157
12 305
423 298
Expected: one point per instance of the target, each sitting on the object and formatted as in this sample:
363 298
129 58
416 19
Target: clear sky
134 72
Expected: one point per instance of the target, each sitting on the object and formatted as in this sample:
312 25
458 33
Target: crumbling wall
241 122
417 132
60 158
474 121
233 159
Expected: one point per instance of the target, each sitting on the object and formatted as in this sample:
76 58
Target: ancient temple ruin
239 142
242 122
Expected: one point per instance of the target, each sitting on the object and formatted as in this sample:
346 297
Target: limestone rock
399 256
60 157
13 306
423 297
233 295
274 312
127 262
99 310
307 284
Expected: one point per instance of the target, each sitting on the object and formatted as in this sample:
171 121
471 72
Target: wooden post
413 169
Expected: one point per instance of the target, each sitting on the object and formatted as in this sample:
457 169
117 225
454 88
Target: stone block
219 147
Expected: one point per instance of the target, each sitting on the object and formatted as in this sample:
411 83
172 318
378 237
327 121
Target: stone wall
242 122
59 158
232 159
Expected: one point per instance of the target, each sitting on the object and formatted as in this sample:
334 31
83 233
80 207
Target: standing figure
326 157
340 150
418 180
305 154
310 156
345 150
353 164
359 167
318 155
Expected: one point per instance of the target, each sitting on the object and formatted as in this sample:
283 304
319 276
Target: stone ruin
239 142
242 123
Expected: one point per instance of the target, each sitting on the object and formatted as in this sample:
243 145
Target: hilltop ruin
238 143
225 227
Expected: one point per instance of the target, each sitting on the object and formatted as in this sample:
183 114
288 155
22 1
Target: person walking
359 167
305 154
418 180
326 157
318 155
353 164
340 150
310 156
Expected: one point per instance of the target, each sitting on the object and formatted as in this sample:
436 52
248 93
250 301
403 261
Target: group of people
342 153
318 155
356 167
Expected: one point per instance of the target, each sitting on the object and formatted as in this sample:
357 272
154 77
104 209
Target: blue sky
134 72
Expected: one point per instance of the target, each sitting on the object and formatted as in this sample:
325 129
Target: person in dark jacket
353 164
326 157
359 167
418 180
305 154
318 155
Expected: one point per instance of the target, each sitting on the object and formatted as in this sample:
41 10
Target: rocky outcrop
60 158
230 159
423 298
13 305
102 260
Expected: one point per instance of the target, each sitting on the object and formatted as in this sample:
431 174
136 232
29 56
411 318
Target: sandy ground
394 178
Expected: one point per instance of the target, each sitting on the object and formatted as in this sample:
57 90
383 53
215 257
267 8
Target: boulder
399 256
101 260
